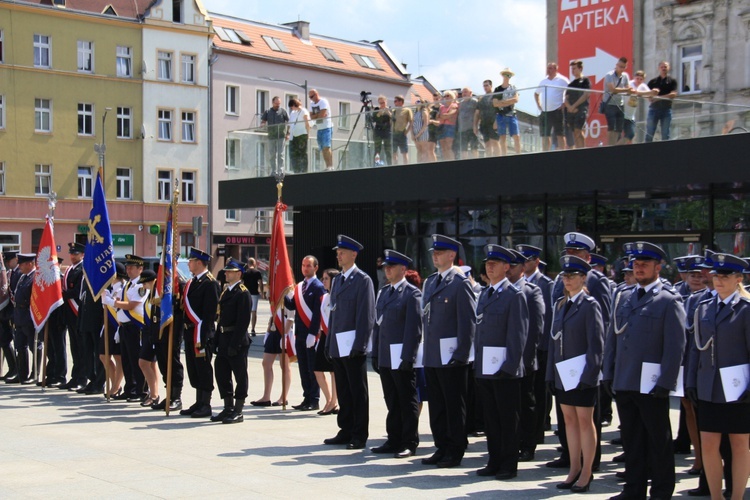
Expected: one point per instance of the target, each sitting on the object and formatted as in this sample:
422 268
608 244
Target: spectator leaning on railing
299 131
663 90
549 99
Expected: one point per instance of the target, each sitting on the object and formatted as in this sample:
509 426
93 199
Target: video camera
364 96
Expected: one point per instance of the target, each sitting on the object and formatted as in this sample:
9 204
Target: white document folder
650 373
345 341
570 371
735 380
396 350
447 348
492 359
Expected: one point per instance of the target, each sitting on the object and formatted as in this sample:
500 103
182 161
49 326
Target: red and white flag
46 291
280 278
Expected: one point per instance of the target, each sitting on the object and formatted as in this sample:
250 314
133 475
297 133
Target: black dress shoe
13 380
619 458
526 456
56 383
404 453
222 415
355 444
29 381
487 471
582 489
161 405
505 475
337 439
385 448
202 411
260 403
189 411
299 406
434 459
620 475
616 441
94 390
175 405
67 385
76 387
233 418
620 496
694 472
699 492
559 463
310 407
448 461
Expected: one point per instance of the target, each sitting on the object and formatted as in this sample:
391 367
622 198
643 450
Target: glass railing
372 139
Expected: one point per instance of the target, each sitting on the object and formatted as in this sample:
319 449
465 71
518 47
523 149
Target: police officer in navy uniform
352 313
306 303
449 322
13 274
201 298
542 398
23 335
72 286
647 327
232 344
502 318
398 321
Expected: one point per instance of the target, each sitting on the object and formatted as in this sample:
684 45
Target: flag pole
51 214
279 175
107 379
170 331
44 355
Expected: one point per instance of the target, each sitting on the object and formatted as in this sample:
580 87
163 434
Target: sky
453 44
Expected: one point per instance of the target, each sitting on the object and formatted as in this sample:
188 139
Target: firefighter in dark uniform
23 335
13 274
57 354
71 284
90 323
200 299
232 344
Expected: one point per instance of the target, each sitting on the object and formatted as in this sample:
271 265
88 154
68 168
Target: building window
329 54
366 61
42 48
165 125
124 123
42 115
233 100
188 68
187 240
85 56
188 126
124 184
176 11
164 186
288 217
85 119
188 187
691 59
233 153
275 44
2 59
232 215
2 177
2 111
42 179
85 182
344 111
124 62
261 101
263 222
232 35
165 66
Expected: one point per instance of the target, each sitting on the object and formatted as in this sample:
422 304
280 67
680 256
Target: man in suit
23 336
449 321
542 398
398 322
72 284
13 274
306 303
642 327
351 321
201 298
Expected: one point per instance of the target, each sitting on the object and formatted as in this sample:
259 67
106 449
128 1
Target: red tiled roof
128 9
420 90
301 52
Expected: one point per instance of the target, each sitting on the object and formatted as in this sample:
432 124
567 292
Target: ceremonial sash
325 312
195 320
134 314
303 311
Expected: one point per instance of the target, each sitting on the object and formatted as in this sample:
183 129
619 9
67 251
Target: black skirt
725 418
114 348
273 343
321 362
577 397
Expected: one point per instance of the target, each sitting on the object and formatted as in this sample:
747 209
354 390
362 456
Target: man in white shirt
639 88
320 111
549 99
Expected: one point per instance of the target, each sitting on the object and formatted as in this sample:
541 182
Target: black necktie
490 291
304 287
393 289
568 305
438 280
721 306
641 293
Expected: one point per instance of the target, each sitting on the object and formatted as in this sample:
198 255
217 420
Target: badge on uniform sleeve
142 292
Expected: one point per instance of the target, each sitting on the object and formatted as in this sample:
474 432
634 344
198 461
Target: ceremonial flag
46 291
165 276
280 278
99 259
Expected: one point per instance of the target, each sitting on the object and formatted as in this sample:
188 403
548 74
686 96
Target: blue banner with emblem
165 278
99 259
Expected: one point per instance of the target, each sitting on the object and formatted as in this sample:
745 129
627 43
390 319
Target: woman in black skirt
577 332
323 365
715 383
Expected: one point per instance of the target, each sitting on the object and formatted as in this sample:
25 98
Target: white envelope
492 359
420 356
570 371
396 350
471 353
735 381
447 348
345 341
650 373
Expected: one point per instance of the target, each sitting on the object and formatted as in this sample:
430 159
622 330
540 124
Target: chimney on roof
301 29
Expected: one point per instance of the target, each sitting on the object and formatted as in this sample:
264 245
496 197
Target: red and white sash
303 311
325 312
194 319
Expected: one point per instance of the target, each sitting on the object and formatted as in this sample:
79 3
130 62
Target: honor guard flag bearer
280 279
99 258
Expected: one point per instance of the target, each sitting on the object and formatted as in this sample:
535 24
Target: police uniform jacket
201 299
683 289
502 321
535 305
545 284
313 293
14 275
598 286
691 304
352 308
651 330
730 331
234 318
582 332
22 294
398 320
448 311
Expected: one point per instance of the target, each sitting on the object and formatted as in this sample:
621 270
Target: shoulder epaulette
210 276
242 287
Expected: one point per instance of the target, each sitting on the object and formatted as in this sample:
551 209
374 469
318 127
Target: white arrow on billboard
599 65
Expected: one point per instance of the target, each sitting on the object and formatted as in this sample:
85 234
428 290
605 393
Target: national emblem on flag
46 290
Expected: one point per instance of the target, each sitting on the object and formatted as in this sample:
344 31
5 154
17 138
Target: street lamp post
102 148
300 85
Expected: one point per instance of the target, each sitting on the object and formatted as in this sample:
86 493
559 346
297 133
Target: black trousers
6 332
542 398
71 320
178 372
225 367
130 346
527 413
57 354
474 409
647 434
354 398
448 386
502 402
306 362
91 366
400 394
199 369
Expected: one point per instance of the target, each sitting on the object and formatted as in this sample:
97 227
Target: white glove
107 300
117 336
310 342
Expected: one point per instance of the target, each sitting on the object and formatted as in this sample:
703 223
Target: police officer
398 332
232 344
351 321
647 330
23 335
72 283
201 298
449 319
13 274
